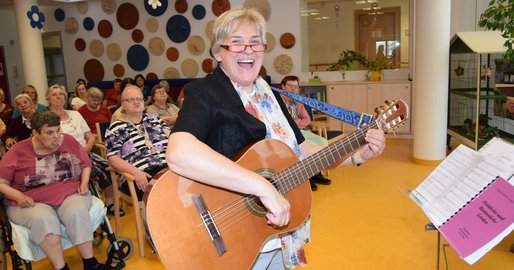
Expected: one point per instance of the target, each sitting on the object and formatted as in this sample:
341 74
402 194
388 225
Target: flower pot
376 75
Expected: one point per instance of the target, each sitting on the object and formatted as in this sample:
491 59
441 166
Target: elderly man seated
45 180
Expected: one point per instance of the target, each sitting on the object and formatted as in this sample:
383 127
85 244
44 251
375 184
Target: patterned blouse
261 103
141 144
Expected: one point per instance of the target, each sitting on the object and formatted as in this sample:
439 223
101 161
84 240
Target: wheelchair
15 241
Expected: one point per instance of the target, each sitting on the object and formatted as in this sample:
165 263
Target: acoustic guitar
197 226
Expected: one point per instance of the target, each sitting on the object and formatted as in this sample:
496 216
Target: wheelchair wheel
125 250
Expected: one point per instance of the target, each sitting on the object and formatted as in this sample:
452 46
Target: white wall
284 18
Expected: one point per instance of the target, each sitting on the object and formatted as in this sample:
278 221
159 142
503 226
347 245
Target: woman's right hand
9 142
25 201
278 207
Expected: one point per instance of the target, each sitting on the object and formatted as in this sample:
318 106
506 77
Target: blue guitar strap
347 116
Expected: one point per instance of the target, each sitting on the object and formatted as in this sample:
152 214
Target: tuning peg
379 110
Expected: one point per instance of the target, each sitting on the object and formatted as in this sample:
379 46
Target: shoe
313 186
320 179
110 210
102 266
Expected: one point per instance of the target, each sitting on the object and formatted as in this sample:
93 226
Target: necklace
141 131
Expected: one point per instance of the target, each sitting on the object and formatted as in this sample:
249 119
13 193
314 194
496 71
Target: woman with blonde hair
80 98
31 91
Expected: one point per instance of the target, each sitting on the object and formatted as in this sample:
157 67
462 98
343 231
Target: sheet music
459 178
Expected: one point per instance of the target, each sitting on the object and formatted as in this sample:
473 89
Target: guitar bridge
209 224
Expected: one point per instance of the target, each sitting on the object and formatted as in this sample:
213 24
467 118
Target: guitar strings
228 215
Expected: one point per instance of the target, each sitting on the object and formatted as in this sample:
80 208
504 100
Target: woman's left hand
83 189
375 146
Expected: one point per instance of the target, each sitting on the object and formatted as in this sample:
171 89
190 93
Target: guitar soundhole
253 203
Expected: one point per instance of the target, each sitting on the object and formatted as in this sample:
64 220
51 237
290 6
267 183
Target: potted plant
348 60
498 17
375 67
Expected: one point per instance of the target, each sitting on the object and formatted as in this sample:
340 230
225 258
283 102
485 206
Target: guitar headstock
392 114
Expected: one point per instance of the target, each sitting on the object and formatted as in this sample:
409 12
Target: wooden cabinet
365 97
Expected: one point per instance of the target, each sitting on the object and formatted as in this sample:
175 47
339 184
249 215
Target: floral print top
261 104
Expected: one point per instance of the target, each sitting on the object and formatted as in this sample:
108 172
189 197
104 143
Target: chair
118 196
321 127
25 249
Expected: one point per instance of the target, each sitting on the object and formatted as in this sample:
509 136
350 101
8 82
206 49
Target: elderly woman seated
45 180
161 107
94 112
31 91
19 129
137 142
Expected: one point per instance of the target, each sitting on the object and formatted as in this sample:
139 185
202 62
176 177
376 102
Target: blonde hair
20 96
95 92
56 86
232 19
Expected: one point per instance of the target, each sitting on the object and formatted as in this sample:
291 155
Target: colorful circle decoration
287 40
207 65
156 46
208 29
59 15
152 76
171 73
71 25
93 70
80 44
127 16
178 28
96 47
181 6
82 7
283 64
189 68
195 45
220 6
109 6
88 23
105 28
137 57
113 51
156 7
270 42
172 54
152 25
199 12
118 70
36 17
137 35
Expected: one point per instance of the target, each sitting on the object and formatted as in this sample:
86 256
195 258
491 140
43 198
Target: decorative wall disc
178 28
109 6
189 68
208 65
152 25
287 40
152 76
80 44
118 70
181 6
283 64
88 23
171 73
156 8
105 28
220 6
137 35
196 45
199 12
208 29
59 14
127 16
71 26
172 54
82 7
137 57
270 41
113 51
93 70
156 45
96 48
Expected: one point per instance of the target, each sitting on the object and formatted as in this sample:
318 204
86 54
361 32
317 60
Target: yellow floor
361 221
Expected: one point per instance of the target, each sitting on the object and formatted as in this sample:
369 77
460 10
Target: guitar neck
300 172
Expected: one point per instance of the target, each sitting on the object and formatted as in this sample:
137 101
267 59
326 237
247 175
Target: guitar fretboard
301 171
